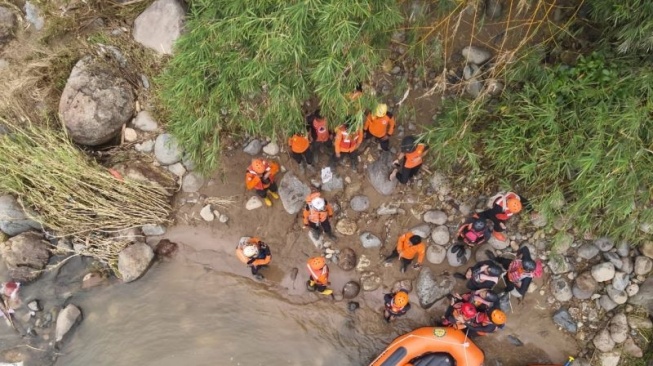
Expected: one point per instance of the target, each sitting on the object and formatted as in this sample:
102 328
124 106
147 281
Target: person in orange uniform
318 272
317 213
396 305
409 245
503 207
347 142
409 161
300 149
260 177
318 128
255 253
380 125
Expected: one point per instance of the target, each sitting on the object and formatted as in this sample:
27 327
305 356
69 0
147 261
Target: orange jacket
254 180
407 250
347 142
502 201
414 158
258 262
320 277
379 126
298 143
313 215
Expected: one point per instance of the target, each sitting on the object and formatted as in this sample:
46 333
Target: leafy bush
249 65
628 22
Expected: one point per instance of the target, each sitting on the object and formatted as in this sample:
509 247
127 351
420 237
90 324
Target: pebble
602 341
647 249
130 135
619 328
632 349
436 254
253 203
619 297
253 147
223 218
643 265
476 55
623 248
177 169
632 289
145 147
613 258
359 203
609 358
604 244
620 281
153 230
145 122
272 149
369 240
603 272
206 213
192 182
34 305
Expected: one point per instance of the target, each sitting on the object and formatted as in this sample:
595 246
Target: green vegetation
249 66
629 23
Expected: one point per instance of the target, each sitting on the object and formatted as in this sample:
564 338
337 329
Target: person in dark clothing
409 161
472 232
484 274
519 271
396 305
503 207
320 136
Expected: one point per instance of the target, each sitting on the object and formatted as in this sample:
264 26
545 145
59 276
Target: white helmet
250 251
318 203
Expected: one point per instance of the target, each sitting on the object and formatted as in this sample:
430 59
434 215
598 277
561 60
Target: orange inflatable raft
431 346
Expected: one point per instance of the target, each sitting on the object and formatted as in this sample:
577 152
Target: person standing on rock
347 142
317 213
260 177
485 323
300 150
409 245
503 207
320 135
396 305
380 125
519 271
318 272
484 274
254 253
409 161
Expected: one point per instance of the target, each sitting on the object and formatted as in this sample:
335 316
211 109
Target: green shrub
629 23
248 66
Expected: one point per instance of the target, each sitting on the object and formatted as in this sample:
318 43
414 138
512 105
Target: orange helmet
400 299
514 205
317 263
498 317
258 165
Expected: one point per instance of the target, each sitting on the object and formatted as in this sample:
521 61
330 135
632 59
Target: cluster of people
477 311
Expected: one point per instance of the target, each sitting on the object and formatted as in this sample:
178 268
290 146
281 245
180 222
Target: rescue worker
503 207
318 275
459 315
346 142
485 323
317 213
409 161
300 149
409 245
396 305
320 136
484 274
474 232
519 271
255 253
260 177
380 125
482 299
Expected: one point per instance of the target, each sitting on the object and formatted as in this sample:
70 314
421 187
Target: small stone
440 235
606 303
602 341
206 213
643 265
604 244
609 358
436 254
471 71
564 320
627 265
613 258
347 259
623 248
145 147
474 87
558 264
153 230
346 227
253 203
66 320
561 290
271 149
619 297
440 184
192 182
177 169
587 251
563 242
632 289
145 122
223 218
369 240
603 272
166 149
130 135
435 217
351 289
620 281
253 147
632 349
619 328
359 203
538 220
647 249
476 55
640 322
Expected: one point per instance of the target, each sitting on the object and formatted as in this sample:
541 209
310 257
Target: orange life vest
347 142
502 200
321 277
414 158
321 129
313 215
258 262
298 143
379 126
255 181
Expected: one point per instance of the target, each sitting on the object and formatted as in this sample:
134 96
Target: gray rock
33 16
619 328
153 230
346 227
167 150
613 258
316 238
603 272
436 254
645 295
431 289
369 240
493 9
604 244
609 358
454 260
389 209
584 286
558 264
253 203
405 285
370 281
145 147
620 281
623 248
335 184
498 244
95 103
253 147
563 242
66 320
643 265
538 220
602 341
130 135
351 289
134 260
494 87
159 26
145 122
563 319
7 25
177 169
347 259
606 303
378 173
271 148
587 251
13 219
423 230
435 217
474 87
476 55
293 192
471 71
631 349
646 249
359 203
440 235
639 322
25 256
580 362
192 182
440 184
206 213
632 289
561 289
619 297
34 305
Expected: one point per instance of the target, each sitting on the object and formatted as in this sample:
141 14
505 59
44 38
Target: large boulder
293 192
7 25
584 286
95 103
430 289
645 295
134 260
25 255
347 259
159 26
561 290
378 173
13 219
66 320
167 150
